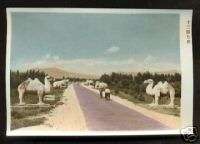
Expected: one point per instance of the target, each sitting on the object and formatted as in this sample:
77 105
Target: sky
95 43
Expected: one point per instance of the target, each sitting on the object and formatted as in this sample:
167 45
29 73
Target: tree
134 85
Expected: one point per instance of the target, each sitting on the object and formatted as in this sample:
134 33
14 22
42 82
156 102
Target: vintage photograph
98 71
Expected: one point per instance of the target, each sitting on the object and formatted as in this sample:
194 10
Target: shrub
17 77
133 85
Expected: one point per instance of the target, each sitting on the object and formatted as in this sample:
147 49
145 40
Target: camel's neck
149 89
47 85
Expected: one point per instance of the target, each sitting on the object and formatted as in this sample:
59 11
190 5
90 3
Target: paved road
102 115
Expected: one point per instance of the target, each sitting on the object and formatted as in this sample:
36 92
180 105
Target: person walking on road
107 93
101 92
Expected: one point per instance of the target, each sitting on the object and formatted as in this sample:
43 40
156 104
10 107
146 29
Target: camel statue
159 88
35 86
102 85
96 85
60 84
89 83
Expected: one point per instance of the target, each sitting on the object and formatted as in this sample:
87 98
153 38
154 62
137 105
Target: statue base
31 105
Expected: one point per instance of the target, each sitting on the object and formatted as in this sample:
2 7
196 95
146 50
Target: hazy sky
95 43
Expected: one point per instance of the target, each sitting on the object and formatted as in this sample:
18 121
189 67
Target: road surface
102 115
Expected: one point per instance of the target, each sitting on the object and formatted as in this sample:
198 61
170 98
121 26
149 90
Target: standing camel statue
35 86
159 88
89 82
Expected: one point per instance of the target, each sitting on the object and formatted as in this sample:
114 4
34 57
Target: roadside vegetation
133 89
29 116
123 85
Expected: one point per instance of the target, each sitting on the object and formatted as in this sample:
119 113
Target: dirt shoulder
168 120
69 116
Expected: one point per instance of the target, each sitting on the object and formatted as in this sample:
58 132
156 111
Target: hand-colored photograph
98 71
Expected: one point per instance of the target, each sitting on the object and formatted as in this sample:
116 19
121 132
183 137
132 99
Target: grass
28 116
144 100
23 112
32 98
170 111
26 122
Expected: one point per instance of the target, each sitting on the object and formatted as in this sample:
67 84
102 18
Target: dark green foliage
71 79
134 86
77 79
17 77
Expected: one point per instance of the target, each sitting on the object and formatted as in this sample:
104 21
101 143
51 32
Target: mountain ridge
60 73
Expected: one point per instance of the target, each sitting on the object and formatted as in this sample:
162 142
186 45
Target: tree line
127 83
17 77
134 85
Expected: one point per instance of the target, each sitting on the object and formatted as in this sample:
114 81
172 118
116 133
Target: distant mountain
60 73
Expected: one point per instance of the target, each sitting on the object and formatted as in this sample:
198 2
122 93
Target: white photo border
186 57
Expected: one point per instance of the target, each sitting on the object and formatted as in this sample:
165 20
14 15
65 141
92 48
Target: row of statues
35 85
41 89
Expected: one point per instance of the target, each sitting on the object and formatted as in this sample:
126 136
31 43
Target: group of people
103 89
101 86
106 92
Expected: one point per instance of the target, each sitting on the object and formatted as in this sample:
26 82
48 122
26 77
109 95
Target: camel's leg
40 95
157 95
153 100
172 97
156 99
21 94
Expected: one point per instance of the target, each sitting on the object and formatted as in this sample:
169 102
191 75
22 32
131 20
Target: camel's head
48 78
29 80
66 81
148 81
